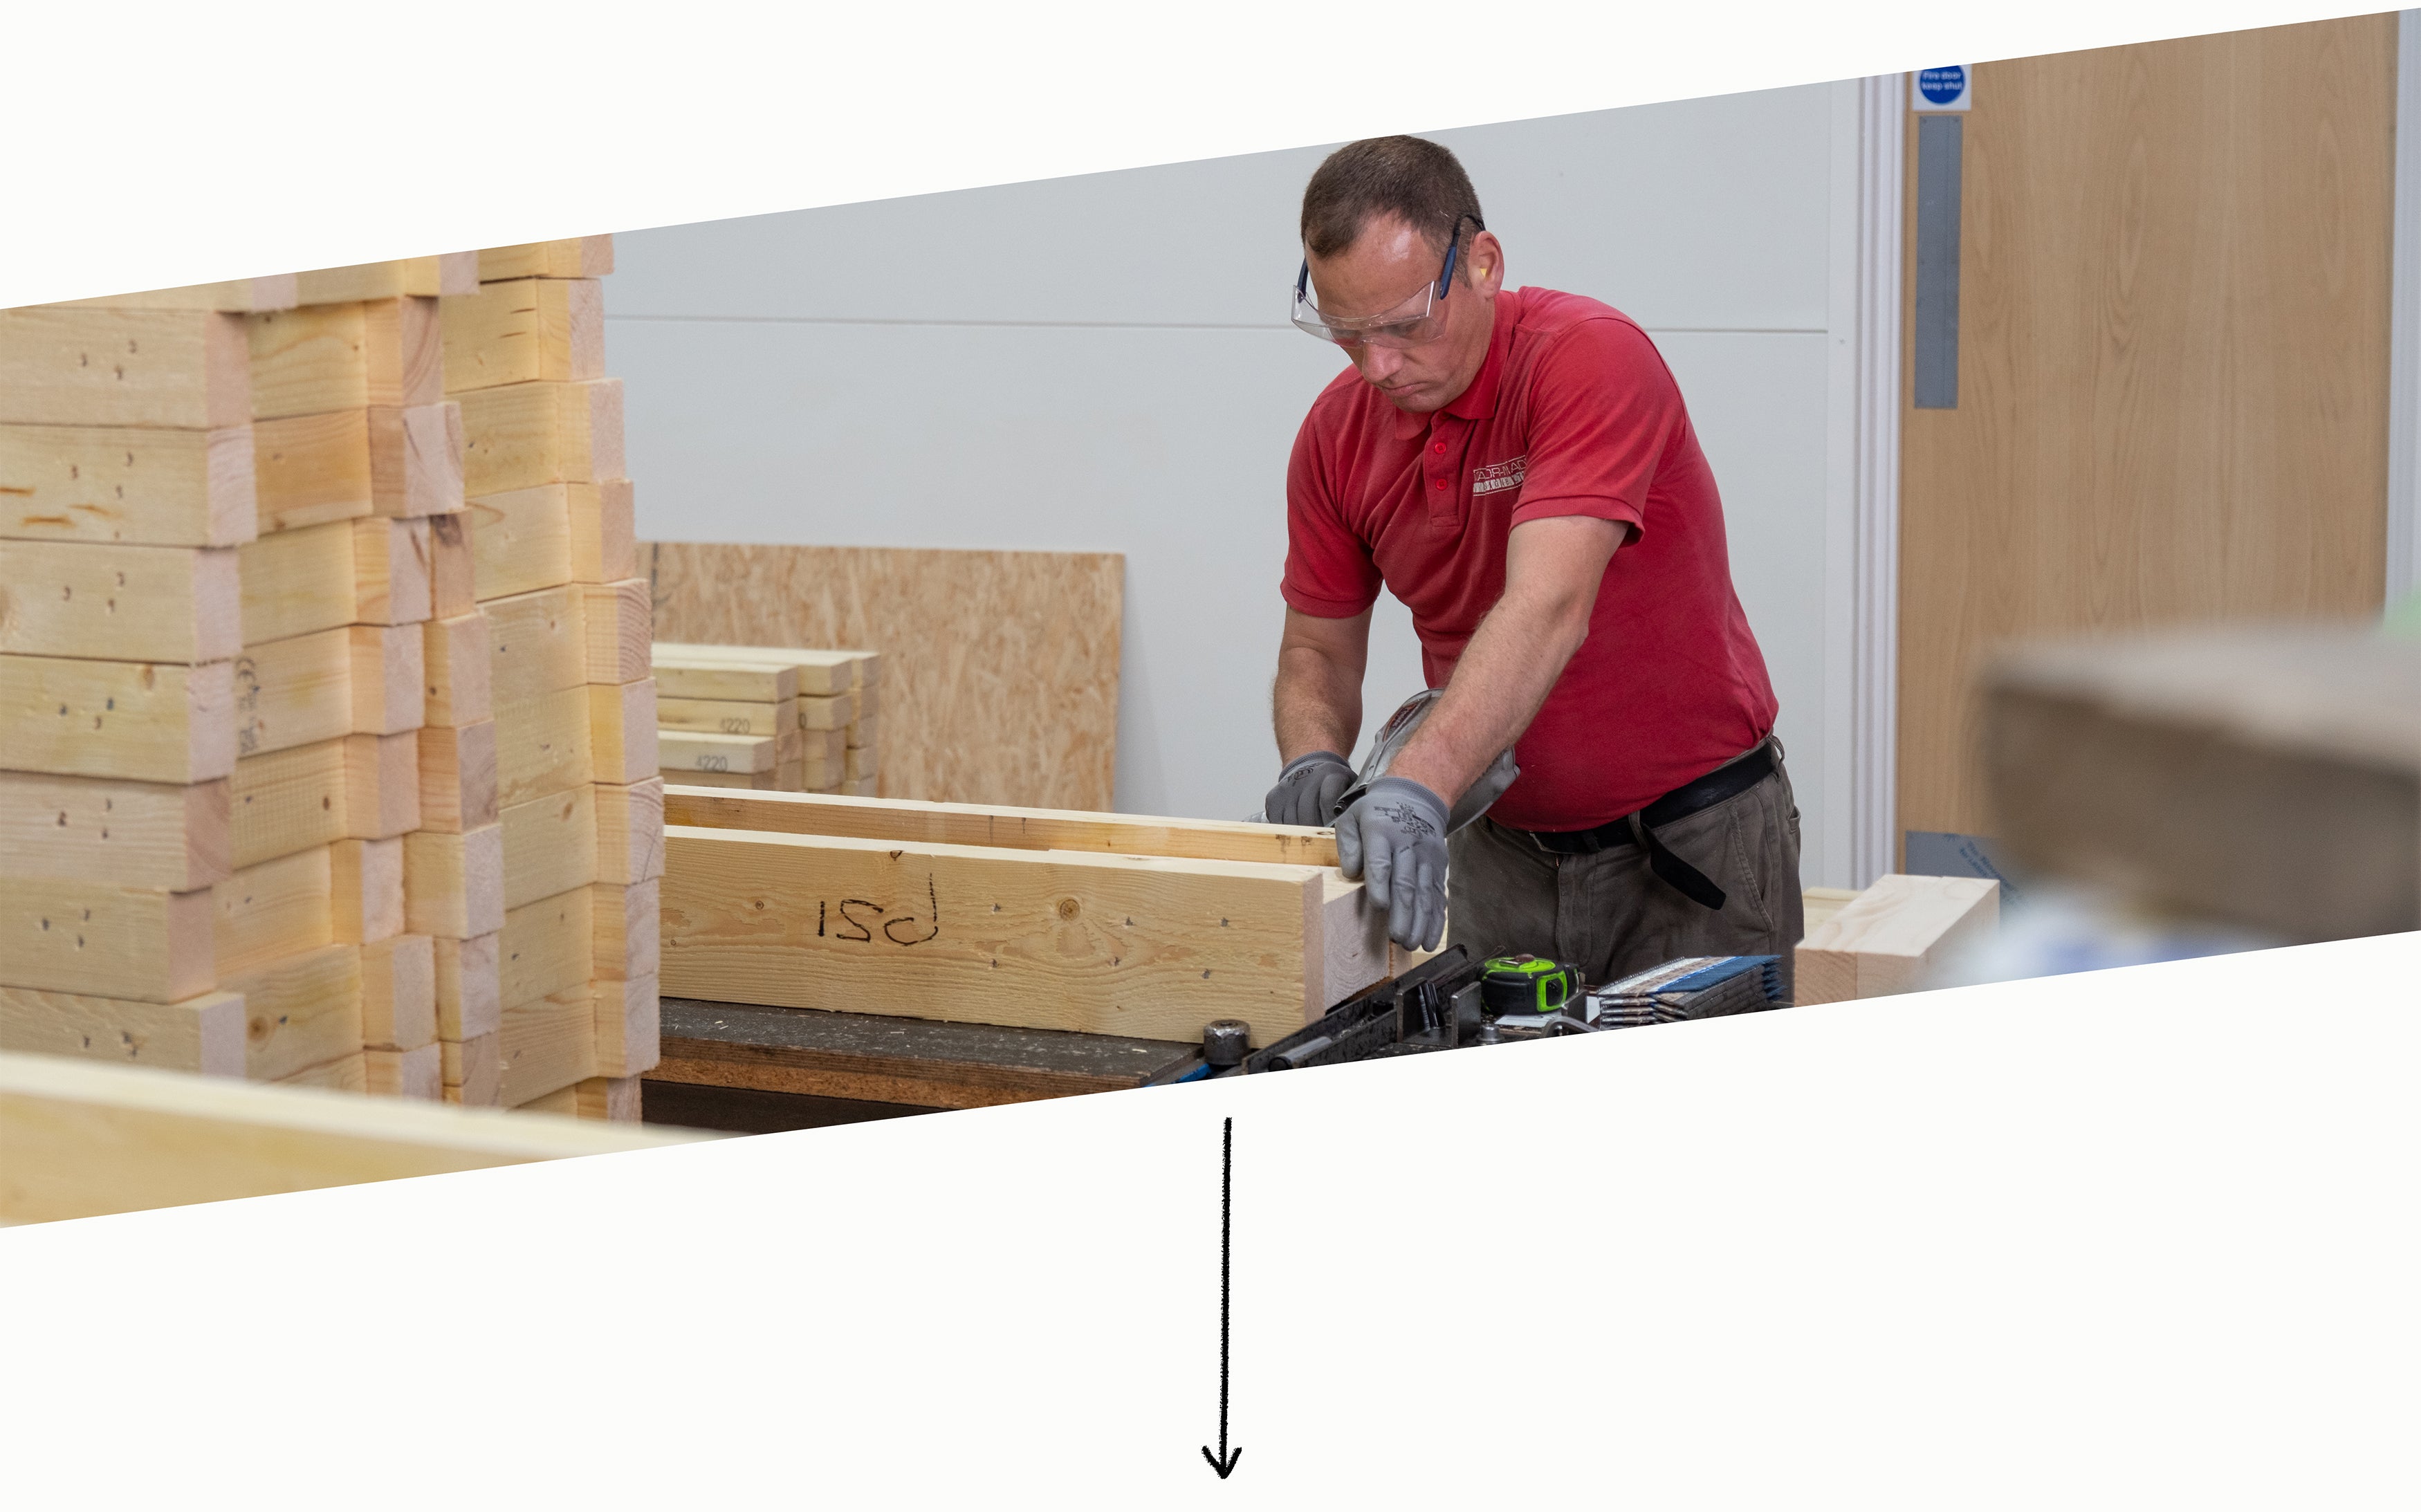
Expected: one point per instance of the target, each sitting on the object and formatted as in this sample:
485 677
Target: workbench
743 1068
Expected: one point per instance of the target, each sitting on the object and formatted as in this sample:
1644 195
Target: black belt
1727 781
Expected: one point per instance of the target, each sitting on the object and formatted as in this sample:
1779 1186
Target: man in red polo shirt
1518 467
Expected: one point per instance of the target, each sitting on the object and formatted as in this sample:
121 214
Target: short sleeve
1329 570
1603 409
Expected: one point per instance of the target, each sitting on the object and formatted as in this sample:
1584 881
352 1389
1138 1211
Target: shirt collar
1478 400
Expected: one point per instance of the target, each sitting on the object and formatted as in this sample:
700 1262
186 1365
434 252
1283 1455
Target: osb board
1000 669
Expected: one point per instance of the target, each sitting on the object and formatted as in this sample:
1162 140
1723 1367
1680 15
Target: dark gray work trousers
1610 916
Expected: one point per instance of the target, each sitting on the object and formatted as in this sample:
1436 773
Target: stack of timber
216 561
770 719
1895 937
2263 778
540 686
1029 918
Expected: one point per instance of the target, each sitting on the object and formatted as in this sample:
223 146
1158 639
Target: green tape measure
1527 984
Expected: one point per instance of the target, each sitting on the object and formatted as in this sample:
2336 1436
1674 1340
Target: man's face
1390 263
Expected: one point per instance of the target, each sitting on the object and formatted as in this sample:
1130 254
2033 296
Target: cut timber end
1140 945
1893 936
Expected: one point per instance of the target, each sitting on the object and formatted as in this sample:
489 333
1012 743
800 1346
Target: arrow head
1227 1467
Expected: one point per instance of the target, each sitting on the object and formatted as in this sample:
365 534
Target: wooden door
2172 363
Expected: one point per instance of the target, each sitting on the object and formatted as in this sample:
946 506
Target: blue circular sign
1941 86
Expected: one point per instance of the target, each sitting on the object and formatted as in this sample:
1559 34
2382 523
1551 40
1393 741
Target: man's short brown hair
1408 177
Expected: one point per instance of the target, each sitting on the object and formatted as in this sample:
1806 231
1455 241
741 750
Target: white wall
1103 364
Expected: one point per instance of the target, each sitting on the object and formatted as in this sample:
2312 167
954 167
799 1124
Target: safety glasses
1414 323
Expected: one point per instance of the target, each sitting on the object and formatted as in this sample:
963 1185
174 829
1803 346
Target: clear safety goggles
1414 323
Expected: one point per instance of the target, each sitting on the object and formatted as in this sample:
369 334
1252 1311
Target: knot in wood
1070 907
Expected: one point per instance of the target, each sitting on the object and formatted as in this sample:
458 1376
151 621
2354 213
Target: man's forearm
1316 704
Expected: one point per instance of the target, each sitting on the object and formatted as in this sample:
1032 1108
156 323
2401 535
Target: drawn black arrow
1225 1461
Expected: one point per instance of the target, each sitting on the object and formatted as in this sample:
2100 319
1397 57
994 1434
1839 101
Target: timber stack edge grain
248 769
770 719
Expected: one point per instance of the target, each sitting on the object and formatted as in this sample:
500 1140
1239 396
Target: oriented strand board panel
184 369
1022 828
2173 365
1149 946
124 486
1002 667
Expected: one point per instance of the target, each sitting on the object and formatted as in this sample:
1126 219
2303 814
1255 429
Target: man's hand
1308 790
1394 839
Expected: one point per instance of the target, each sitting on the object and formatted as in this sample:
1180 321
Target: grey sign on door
1938 144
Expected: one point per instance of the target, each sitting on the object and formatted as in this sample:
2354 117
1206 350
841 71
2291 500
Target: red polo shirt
1574 414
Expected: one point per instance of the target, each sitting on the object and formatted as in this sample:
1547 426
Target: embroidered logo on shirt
1498 477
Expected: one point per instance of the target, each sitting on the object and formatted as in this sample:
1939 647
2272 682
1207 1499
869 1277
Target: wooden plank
238 296
622 732
454 885
578 257
550 845
1057 939
860 788
312 469
457 776
271 910
415 459
294 691
84 1140
203 1033
453 655
1006 671
609 1098
838 712
521 540
399 993
822 672
451 576
366 899
140 720
546 1045
625 942
358 786
604 540
391 571
301 1010
542 745
310 360
763 782
616 622
469 985
451 273
703 751
630 831
859 762
175 837
862 733
387 675
297 582
403 341
725 716
382 785
472 1071
64 366
418 1074
126 486
525 330
523 435
1022 828
1817 904
627 1026
545 946
537 643
105 940
732 682
346 1073
121 603
1893 936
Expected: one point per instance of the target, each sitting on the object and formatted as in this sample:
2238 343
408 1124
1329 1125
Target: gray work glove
1308 790
1394 839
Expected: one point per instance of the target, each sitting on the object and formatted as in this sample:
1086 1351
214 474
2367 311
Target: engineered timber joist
1145 945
